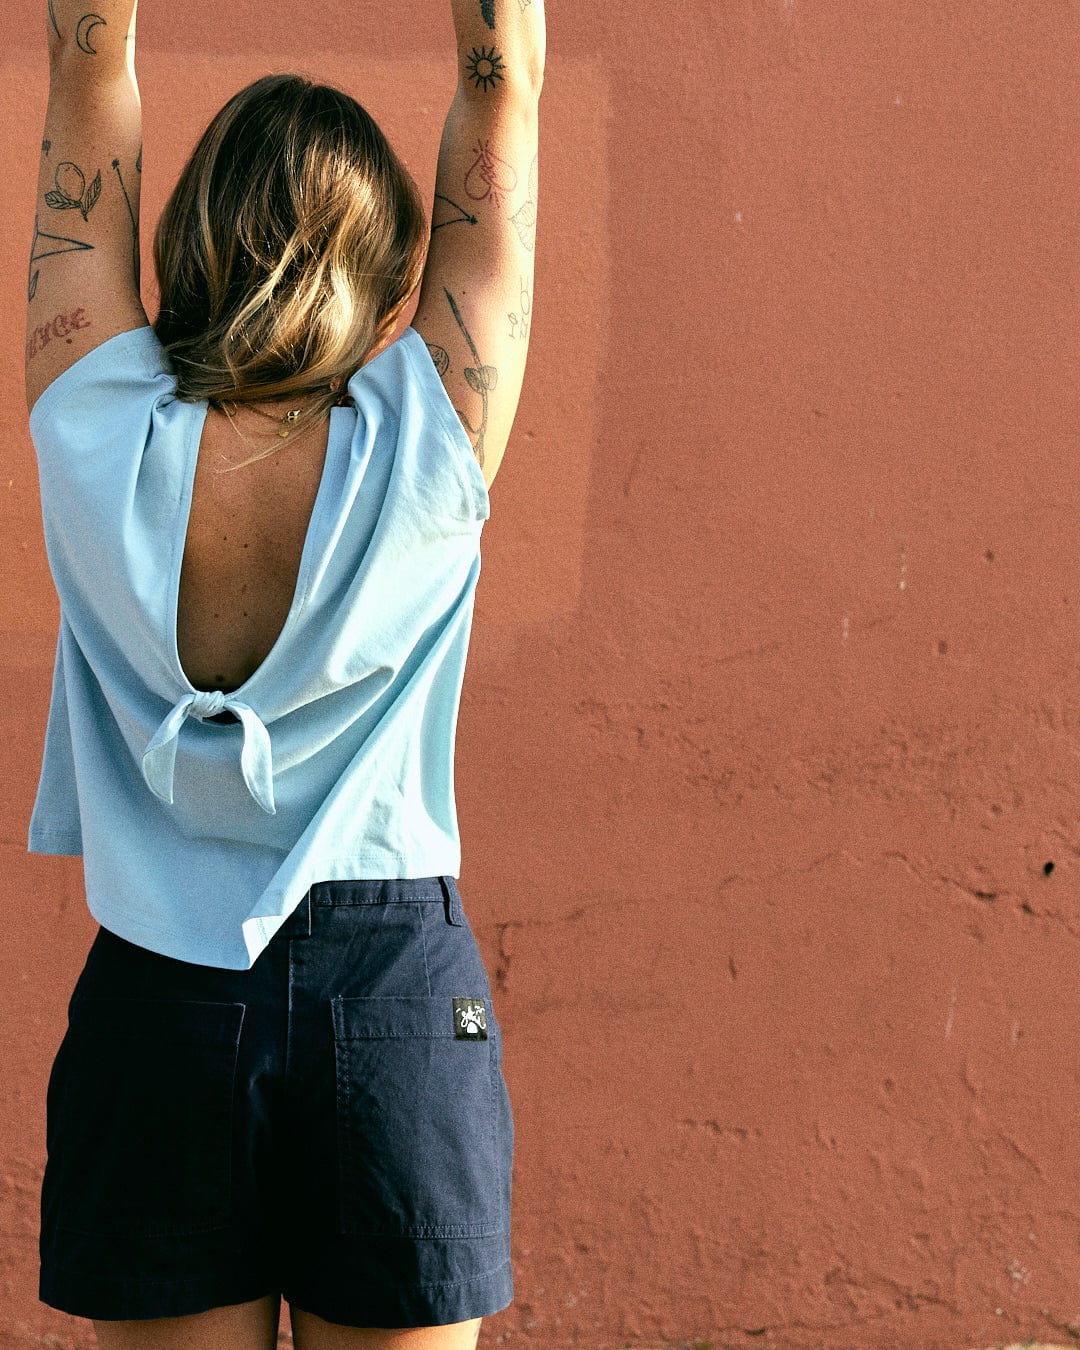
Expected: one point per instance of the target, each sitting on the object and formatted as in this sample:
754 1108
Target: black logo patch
470 1019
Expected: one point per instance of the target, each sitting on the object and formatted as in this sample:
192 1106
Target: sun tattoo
485 67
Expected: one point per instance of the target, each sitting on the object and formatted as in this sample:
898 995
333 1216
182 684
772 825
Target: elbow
534 71
531 80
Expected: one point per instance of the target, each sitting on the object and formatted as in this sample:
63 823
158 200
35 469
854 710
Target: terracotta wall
769 752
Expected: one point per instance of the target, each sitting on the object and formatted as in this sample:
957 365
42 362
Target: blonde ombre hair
287 250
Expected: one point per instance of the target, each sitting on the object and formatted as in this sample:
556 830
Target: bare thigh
241 1326
312 1333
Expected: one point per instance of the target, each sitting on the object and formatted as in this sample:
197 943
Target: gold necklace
288 419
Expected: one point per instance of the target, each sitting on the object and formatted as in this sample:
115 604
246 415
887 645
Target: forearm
501 44
92 37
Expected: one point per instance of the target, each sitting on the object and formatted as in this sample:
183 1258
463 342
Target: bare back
245 538
247 529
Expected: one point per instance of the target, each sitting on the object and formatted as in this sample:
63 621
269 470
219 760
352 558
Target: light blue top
199 838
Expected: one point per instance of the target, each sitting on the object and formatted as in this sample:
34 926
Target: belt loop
451 901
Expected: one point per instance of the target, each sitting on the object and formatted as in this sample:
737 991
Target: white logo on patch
472 1018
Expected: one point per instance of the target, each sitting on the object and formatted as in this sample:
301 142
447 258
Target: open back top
199 837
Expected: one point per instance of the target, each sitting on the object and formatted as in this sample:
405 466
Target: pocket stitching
421 915
94 1027
344 1035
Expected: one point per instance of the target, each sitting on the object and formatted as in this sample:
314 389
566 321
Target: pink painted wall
769 753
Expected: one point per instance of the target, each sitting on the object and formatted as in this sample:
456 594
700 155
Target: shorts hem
140 1298
438 1303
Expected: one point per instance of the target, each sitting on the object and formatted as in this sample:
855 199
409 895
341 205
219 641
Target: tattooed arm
475 304
83 275
98 38
500 41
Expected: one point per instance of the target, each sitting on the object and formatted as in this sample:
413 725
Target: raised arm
476 297
99 40
83 277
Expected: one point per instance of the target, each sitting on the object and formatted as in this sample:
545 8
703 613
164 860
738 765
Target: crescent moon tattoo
82 35
52 19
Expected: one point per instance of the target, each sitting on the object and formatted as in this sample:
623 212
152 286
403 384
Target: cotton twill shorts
332 1125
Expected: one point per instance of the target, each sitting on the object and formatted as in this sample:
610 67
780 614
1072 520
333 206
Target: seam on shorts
473 1279
420 1284
493 1111
342 1133
423 944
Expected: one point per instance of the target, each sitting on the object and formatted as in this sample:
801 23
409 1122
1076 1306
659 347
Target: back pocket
416 1116
139 1117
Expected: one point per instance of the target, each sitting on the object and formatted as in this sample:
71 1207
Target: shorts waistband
376 891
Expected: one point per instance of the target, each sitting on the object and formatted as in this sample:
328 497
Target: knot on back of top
256 762
207 703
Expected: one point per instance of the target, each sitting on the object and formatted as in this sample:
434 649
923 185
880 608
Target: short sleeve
437 402
96 394
109 436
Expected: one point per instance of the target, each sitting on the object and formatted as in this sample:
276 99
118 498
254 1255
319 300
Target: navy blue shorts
332 1125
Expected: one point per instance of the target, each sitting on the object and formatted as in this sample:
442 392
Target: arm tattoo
519 323
485 67
70 189
135 260
489 176
524 218
487 9
461 217
82 32
480 377
71 193
45 246
60 327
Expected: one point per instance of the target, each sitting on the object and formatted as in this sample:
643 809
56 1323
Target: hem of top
56 387
170 942
122 924
56 842
331 869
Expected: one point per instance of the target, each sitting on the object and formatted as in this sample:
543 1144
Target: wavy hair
287 249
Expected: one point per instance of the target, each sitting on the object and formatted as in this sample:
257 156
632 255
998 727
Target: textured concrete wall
768 755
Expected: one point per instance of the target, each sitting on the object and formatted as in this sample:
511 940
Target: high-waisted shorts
332 1125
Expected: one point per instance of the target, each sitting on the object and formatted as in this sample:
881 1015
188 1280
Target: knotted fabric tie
159 757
